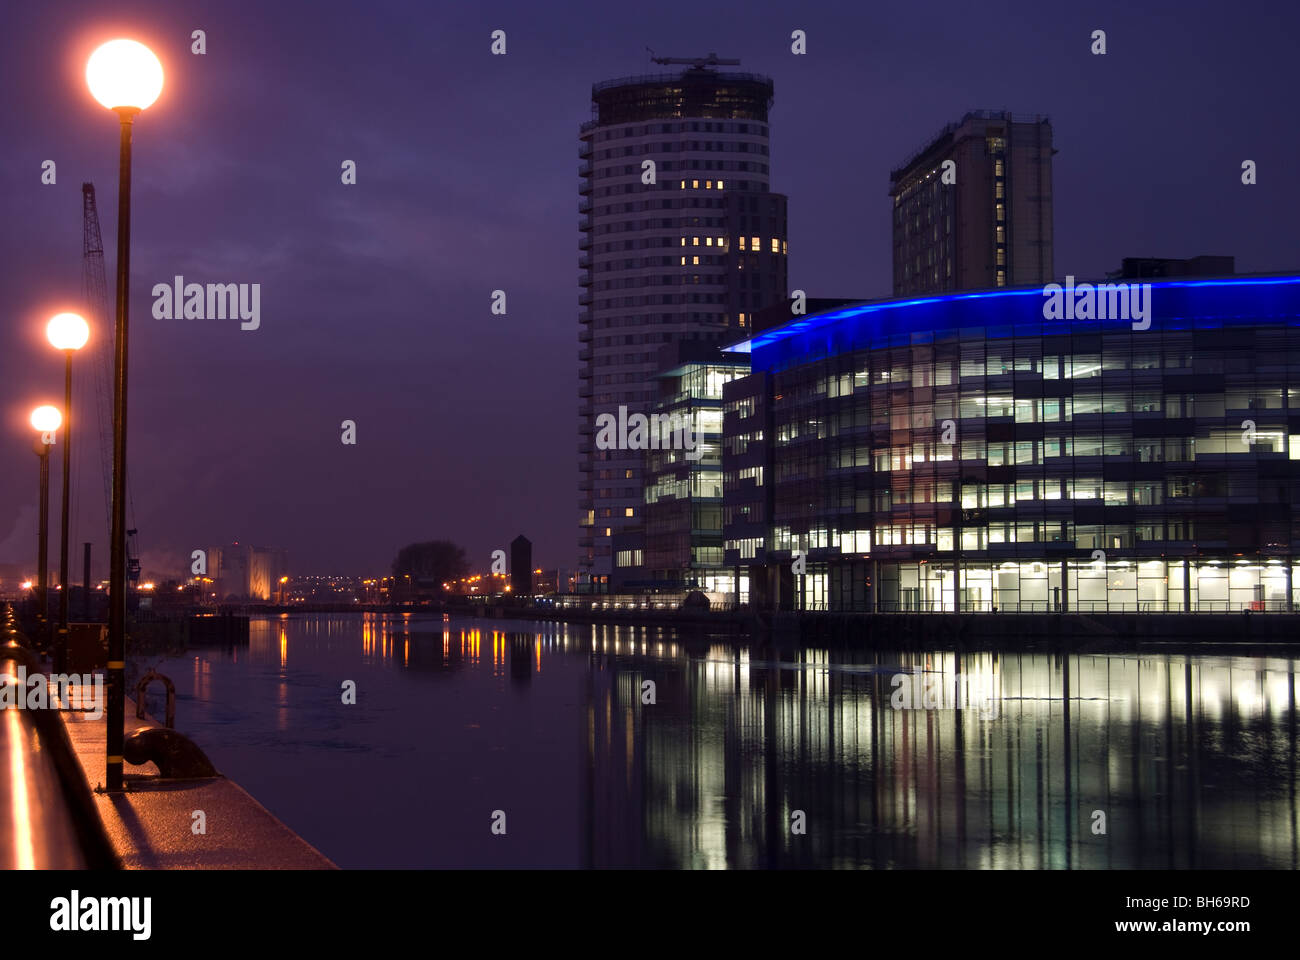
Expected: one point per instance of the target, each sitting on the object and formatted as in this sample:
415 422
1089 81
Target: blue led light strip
998 314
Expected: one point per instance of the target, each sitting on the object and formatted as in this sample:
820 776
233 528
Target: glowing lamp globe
124 74
47 418
67 331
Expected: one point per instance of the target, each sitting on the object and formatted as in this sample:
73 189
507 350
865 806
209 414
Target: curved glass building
1115 447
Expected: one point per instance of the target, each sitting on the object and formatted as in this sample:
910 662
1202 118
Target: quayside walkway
57 815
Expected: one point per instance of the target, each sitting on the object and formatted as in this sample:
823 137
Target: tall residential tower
681 239
988 222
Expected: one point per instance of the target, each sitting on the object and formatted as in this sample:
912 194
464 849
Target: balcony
584 298
584 205
585 280
584 243
584 335
584 262
585 354
584 187
584 149
584 170
585 224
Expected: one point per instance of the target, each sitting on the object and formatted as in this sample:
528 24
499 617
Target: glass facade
683 491
963 454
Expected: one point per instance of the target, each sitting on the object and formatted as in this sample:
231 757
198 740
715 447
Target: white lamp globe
124 74
67 331
47 418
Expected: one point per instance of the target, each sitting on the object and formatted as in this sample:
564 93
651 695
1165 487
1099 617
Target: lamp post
125 77
45 420
67 332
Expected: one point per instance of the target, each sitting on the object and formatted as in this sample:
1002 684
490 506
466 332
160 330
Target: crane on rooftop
697 63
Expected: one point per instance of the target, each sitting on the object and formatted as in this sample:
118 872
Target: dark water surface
1006 760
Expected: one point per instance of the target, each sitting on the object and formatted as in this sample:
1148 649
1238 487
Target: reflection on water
890 759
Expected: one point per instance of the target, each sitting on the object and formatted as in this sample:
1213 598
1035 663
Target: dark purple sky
375 297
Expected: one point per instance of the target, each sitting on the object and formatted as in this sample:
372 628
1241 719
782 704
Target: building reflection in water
1008 761
1013 760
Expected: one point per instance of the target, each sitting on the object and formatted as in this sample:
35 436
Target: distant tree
440 561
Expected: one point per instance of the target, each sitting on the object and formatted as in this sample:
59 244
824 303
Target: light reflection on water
1191 759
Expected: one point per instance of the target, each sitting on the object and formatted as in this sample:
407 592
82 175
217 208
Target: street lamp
67 332
45 420
125 77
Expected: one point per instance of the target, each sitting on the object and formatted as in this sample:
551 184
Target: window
1083 365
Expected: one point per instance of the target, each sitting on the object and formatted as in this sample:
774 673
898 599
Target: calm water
998 761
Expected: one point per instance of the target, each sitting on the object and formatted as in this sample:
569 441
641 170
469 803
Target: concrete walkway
152 825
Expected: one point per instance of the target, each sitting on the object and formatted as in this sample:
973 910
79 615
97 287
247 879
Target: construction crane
698 63
95 291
